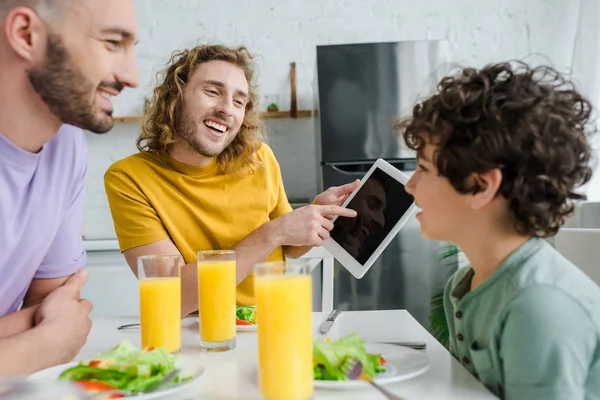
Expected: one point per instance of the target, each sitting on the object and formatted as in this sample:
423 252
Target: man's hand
63 312
309 225
336 195
304 237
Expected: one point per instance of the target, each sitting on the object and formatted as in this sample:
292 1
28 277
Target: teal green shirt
532 329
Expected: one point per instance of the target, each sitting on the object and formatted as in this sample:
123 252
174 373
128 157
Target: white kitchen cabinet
112 288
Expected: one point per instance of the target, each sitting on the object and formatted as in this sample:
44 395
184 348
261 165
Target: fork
326 325
355 371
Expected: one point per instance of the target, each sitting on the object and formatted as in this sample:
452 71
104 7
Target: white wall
586 73
288 31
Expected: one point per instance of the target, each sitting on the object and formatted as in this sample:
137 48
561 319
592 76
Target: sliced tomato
114 396
99 363
95 387
242 322
381 360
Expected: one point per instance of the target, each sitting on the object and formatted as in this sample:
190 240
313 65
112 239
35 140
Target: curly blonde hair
160 116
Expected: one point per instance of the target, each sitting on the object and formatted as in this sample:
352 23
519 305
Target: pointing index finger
347 188
337 210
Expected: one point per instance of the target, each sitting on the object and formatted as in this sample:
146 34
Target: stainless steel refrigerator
360 91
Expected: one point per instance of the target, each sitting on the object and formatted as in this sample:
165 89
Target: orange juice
284 306
216 298
160 313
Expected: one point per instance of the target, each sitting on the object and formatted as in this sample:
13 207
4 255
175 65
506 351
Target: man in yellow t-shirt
204 179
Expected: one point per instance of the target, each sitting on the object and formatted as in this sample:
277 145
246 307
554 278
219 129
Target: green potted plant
438 325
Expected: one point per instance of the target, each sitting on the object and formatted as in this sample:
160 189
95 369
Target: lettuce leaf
332 360
125 367
246 313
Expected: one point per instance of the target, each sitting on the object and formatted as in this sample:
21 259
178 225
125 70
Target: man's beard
66 91
187 127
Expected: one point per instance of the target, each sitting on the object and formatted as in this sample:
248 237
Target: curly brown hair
528 122
166 106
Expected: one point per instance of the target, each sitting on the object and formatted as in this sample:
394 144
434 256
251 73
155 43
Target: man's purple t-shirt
41 213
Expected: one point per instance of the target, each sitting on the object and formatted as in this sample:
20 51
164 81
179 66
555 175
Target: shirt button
458 314
466 361
460 337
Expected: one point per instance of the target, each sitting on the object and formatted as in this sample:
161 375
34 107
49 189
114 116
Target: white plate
187 365
401 364
245 328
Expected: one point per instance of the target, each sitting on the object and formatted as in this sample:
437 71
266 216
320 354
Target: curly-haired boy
501 152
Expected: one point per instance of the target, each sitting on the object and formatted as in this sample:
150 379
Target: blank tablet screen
380 203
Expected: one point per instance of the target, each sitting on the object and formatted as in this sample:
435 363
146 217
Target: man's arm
189 285
17 322
29 351
62 328
335 195
306 225
40 288
296 251
23 320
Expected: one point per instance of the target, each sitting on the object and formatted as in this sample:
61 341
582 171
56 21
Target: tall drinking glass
160 301
216 299
283 313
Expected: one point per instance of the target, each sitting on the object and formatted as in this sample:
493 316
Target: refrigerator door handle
347 171
361 168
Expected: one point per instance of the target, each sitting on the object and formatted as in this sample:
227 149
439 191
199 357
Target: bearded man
205 180
61 62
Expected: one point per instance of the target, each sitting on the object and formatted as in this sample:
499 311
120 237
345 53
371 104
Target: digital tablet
383 206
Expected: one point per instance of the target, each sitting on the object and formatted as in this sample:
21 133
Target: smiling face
370 204
89 59
214 107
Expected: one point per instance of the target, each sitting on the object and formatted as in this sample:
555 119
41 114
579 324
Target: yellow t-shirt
153 197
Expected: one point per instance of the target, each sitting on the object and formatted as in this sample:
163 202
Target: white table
232 375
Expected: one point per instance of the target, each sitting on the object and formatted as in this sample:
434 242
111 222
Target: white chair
581 247
314 257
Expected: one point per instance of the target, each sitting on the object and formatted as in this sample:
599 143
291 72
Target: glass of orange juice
160 301
216 299
283 315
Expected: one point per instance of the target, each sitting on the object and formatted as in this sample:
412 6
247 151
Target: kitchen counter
101 245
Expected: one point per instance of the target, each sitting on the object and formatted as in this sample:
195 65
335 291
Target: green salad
245 315
124 367
332 359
